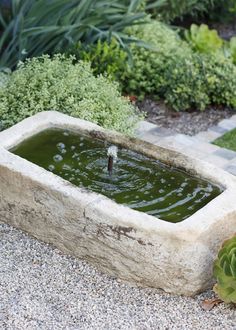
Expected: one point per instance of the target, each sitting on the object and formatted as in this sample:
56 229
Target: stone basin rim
193 225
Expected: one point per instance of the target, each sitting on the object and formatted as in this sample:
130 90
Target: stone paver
218 129
233 118
152 133
216 160
192 152
144 126
208 136
198 146
228 124
205 147
230 168
225 153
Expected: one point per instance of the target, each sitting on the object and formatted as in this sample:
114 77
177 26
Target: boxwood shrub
56 83
171 70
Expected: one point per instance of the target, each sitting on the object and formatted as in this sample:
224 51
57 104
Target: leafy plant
172 9
225 271
45 84
203 40
31 28
171 70
105 58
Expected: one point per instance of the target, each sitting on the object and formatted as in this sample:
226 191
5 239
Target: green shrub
172 9
105 58
174 72
232 46
220 80
56 84
31 28
168 72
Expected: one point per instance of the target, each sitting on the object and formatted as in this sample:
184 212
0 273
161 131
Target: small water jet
112 157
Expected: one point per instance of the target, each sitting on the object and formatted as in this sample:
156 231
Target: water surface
139 182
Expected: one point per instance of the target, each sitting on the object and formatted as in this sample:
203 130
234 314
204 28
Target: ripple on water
137 181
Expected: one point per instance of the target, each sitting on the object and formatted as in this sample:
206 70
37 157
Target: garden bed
185 122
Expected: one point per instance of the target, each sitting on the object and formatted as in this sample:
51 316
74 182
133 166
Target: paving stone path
198 146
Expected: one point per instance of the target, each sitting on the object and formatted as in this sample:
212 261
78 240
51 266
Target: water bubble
51 168
60 145
72 147
66 133
66 167
57 158
81 144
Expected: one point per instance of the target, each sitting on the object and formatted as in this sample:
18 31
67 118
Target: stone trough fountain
155 217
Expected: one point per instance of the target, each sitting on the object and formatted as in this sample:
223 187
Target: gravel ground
184 122
40 288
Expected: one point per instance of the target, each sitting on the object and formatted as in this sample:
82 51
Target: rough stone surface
132 245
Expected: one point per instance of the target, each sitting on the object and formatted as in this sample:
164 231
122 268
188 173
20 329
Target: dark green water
137 181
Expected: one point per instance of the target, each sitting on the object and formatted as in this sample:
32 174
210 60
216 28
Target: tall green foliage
35 27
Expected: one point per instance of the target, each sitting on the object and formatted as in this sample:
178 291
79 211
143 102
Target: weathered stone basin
132 245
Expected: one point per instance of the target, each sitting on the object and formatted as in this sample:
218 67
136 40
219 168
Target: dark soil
226 31
190 123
